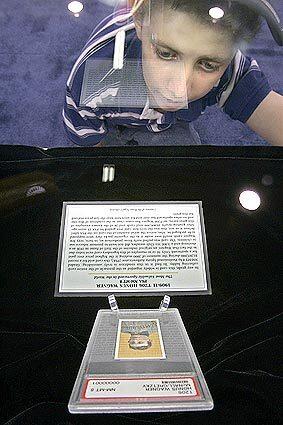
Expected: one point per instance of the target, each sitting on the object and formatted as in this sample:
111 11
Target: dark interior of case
234 332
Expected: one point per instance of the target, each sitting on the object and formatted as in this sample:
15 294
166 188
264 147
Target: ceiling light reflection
216 12
75 7
250 200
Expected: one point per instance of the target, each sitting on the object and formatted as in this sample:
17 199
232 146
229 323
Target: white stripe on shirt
80 131
237 64
93 103
113 21
82 57
82 112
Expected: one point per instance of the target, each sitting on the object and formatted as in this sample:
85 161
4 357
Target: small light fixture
75 7
216 13
249 200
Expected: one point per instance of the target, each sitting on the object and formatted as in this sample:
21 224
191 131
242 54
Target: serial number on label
107 383
151 387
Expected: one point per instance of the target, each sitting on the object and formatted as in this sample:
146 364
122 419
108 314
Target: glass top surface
33 190
102 73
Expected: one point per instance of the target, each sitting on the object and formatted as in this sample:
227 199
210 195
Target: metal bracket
164 303
108 173
113 303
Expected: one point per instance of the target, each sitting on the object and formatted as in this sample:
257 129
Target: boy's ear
138 26
137 18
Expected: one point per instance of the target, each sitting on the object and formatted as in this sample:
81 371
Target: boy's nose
180 83
178 89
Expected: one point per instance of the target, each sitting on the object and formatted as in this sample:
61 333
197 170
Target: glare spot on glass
35 190
75 7
267 180
216 12
250 200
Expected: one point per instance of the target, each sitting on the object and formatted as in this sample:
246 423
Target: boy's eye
165 55
208 66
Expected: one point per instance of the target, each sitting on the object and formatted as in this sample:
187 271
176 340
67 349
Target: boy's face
182 58
139 341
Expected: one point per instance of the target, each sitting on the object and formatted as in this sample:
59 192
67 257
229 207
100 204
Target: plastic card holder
139 361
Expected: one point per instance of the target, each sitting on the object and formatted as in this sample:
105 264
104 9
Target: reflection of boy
216 72
140 333
140 341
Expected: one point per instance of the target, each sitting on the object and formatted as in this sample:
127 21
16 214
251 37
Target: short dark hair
239 21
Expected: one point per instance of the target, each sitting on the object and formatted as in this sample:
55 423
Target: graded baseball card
139 361
139 339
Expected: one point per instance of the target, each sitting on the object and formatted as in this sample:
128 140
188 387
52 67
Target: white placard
146 388
129 248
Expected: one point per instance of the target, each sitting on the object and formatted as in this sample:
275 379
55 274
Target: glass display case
141 72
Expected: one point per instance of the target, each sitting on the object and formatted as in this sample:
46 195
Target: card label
129 248
132 388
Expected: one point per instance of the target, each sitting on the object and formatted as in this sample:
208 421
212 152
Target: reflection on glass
250 200
157 66
75 7
128 88
216 12
24 190
267 180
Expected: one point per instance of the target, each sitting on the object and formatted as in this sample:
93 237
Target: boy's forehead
185 34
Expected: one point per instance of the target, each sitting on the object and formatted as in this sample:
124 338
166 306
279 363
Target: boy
185 59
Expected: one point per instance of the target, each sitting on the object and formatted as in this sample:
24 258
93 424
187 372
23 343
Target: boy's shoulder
242 87
107 29
240 67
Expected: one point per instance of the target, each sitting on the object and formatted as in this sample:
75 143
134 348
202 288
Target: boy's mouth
170 101
163 104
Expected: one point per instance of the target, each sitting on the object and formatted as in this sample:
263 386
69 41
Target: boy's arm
267 119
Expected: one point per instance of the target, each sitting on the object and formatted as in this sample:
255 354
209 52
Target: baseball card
139 339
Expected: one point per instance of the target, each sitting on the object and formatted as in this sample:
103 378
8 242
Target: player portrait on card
139 339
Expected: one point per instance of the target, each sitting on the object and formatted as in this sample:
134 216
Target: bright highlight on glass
267 180
250 200
75 7
216 12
